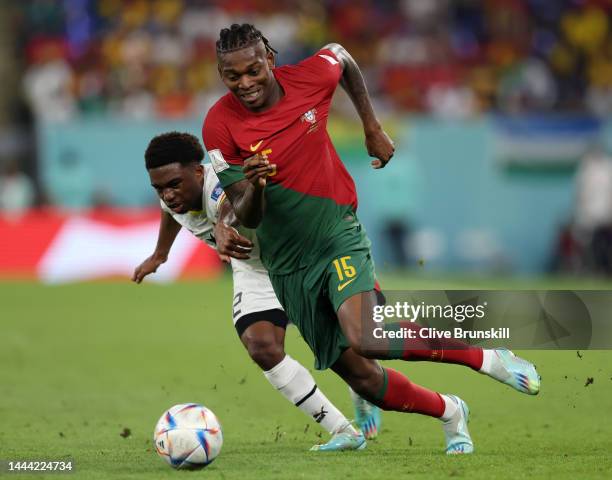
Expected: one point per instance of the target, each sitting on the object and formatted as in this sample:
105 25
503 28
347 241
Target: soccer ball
188 436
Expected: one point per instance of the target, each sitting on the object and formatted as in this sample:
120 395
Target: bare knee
366 351
264 351
361 346
353 332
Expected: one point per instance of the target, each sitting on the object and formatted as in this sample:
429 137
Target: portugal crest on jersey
310 116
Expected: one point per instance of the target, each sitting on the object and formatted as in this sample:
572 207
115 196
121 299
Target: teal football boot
458 439
515 372
367 416
347 439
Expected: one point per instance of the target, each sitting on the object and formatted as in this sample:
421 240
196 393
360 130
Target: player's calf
363 375
377 340
264 340
298 386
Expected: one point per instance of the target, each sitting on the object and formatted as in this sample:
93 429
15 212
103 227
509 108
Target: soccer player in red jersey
268 143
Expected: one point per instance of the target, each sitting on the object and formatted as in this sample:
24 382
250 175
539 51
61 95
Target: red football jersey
293 135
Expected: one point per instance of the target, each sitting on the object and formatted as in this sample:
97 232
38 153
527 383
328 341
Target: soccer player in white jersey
191 197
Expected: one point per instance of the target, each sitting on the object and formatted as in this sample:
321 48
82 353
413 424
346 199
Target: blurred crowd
584 243
452 58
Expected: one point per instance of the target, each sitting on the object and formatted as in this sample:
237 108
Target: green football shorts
312 295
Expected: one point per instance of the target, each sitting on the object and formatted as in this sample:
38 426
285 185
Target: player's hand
256 169
150 265
231 244
379 146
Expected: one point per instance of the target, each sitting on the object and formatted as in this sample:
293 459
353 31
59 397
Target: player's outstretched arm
168 230
247 196
229 242
378 143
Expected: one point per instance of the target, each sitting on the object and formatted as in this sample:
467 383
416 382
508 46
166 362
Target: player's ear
199 170
271 59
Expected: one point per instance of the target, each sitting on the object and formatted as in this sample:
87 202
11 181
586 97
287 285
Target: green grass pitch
81 363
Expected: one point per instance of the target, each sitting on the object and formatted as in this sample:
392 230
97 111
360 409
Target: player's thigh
363 375
253 292
311 312
355 316
351 283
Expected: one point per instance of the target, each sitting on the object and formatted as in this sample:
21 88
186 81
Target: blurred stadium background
502 115
501 111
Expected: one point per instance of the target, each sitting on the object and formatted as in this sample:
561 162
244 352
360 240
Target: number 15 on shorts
346 273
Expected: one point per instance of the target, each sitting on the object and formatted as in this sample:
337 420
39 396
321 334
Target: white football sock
450 408
297 385
488 357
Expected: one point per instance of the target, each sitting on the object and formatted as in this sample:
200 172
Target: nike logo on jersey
342 285
257 145
331 60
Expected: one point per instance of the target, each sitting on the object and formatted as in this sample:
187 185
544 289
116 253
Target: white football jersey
197 222
253 290
213 196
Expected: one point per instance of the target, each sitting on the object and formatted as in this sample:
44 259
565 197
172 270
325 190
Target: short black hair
173 147
238 37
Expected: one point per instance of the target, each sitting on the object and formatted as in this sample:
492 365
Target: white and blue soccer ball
188 436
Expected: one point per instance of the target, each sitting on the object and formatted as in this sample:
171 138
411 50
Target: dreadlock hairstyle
238 37
173 147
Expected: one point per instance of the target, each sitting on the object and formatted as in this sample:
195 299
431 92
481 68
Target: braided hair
238 37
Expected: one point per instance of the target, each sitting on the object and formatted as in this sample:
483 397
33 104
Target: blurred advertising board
56 247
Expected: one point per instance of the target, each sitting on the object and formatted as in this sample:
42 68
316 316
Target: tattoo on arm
353 83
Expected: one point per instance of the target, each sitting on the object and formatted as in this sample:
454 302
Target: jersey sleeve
164 207
214 195
322 69
222 151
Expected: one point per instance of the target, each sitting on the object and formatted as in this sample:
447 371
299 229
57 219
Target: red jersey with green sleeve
311 190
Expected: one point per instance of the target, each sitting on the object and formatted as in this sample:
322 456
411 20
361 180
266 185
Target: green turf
80 363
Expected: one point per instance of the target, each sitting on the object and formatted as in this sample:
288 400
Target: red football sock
401 395
444 350
470 356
